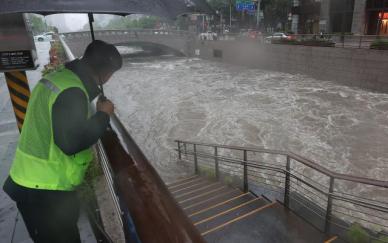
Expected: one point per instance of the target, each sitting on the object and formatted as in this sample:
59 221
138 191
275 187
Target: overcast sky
75 22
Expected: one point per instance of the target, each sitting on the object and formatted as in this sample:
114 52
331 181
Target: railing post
287 184
185 148
216 162
329 205
195 159
359 46
245 171
179 150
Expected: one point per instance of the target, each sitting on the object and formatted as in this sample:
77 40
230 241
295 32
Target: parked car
277 36
208 36
48 36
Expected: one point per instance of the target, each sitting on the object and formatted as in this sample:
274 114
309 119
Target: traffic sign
245 6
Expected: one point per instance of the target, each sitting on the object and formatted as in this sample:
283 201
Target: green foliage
148 22
381 239
58 51
357 234
182 23
37 24
309 42
379 44
276 11
285 42
208 172
317 42
223 6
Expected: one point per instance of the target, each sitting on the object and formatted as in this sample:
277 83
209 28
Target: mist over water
344 129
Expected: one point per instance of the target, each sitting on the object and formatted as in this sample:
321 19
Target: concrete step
274 224
211 200
220 207
225 214
229 214
206 189
203 196
190 187
182 182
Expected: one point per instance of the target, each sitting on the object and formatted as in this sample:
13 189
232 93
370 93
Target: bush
318 42
379 45
381 239
285 42
357 234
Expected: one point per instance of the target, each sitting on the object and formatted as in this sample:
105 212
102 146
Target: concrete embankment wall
363 68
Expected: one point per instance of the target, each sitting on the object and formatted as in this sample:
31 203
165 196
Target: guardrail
134 33
331 201
340 41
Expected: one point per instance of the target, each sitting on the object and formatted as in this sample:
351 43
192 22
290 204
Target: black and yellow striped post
19 91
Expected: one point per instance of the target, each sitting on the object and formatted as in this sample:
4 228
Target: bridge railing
134 33
331 201
333 40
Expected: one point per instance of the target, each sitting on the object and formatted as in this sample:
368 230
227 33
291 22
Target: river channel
342 128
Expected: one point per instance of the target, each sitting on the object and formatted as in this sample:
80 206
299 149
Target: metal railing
334 201
340 41
134 33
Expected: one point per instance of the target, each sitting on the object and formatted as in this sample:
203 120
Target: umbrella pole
91 20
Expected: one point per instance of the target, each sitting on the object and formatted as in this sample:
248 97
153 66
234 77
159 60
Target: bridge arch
175 41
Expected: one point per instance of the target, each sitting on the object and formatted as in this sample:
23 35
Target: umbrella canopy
163 8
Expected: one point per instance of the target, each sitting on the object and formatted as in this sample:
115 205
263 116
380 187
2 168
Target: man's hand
106 106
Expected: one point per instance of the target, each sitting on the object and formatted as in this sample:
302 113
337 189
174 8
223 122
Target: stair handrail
303 160
329 192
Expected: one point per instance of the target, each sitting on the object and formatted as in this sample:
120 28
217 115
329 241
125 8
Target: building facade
360 17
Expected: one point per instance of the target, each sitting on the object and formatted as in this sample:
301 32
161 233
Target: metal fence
340 41
128 32
331 201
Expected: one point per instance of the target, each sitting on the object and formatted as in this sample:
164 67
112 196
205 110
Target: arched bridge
170 40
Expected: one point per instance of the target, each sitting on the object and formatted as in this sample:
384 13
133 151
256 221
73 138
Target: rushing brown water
342 128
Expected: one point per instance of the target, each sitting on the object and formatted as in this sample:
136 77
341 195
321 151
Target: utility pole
258 14
222 25
230 15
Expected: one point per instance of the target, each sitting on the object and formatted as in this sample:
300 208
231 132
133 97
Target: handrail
292 184
153 31
157 216
307 162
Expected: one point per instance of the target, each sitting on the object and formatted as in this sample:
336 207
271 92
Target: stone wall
363 68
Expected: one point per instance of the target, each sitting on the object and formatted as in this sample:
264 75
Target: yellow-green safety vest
39 163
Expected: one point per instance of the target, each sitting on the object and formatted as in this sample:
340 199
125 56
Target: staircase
222 213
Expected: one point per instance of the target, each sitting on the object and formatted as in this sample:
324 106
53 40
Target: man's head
103 59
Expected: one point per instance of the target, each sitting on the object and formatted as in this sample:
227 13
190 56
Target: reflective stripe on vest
39 162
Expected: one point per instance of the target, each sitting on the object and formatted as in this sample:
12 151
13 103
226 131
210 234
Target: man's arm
73 131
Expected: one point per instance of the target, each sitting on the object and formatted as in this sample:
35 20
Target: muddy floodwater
342 128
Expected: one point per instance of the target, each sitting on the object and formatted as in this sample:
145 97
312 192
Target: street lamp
221 25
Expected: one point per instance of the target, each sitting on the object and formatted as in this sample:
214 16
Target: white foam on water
339 127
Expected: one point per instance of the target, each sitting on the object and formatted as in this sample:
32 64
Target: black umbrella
163 8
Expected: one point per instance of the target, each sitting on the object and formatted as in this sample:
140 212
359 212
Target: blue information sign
245 6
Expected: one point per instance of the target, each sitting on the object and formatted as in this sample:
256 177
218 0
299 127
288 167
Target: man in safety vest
54 148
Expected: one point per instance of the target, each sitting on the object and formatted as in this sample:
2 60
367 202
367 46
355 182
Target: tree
38 26
275 12
223 7
146 22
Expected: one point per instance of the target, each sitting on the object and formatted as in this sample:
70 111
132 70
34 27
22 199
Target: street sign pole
17 54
